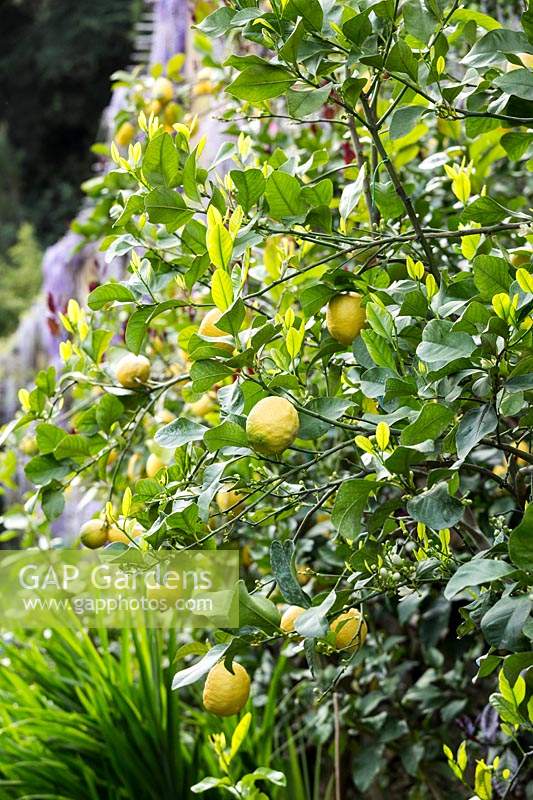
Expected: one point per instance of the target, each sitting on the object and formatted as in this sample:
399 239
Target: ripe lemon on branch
132 370
289 617
208 327
225 693
350 630
229 501
272 425
345 317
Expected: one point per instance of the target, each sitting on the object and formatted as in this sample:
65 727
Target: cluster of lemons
226 692
272 426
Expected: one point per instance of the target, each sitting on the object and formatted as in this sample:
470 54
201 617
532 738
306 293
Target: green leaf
204 374
404 120
313 298
74 445
521 541
108 411
484 210
493 45
282 562
309 10
53 502
283 193
250 185
303 103
48 437
419 20
219 245
167 206
192 674
319 194
358 28
476 423
44 469
222 289
401 59
440 345
430 424
228 434
351 194
503 623
436 508
517 144
350 504
261 82
256 611
475 573
518 82
136 328
491 276
108 293
179 432
161 162
330 407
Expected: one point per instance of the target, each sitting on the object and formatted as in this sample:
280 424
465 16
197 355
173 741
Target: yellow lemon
226 693
523 446
289 617
203 406
94 533
153 108
350 630
132 370
165 416
125 134
208 327
525 58
345 317
153 465
230 501
163 89
272 425
521 257
203 87
114 534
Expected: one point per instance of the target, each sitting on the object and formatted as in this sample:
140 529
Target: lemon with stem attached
272 425
225 692
133 371
94 533
350 630
230 501
345 317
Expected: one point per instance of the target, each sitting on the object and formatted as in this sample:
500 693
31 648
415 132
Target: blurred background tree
54 72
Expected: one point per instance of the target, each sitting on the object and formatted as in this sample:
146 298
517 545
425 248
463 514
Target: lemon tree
327 346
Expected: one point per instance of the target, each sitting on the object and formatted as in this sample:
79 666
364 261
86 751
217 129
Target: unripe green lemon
226 693
132 370
208 327
345 317
94 533
289 617
350 630
272 425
